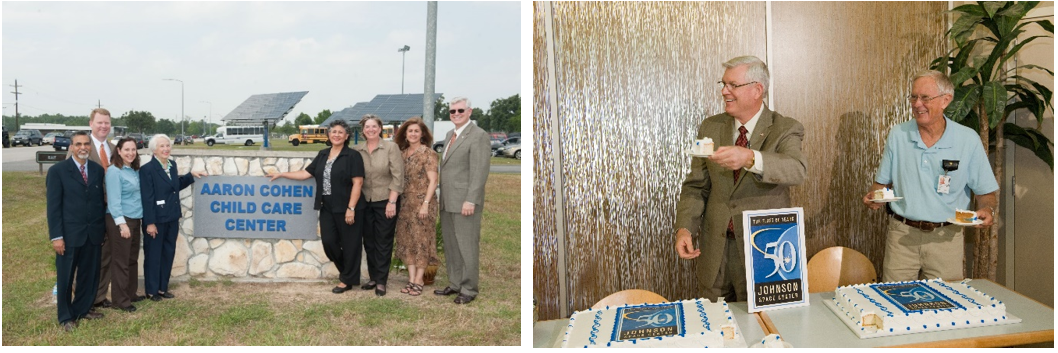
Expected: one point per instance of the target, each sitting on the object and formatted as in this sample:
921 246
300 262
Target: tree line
504 115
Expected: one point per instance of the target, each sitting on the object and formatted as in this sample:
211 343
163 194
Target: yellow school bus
309 134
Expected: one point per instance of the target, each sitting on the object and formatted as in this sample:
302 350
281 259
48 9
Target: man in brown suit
758 159
99 122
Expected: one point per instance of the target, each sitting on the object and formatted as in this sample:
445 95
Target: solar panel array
388 107
261 107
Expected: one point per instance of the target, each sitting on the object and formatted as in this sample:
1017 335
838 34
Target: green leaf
965 74
964 52
1031 66
963 100
1007 19
991 7
963 27
971 121
1046 25
1033 140
995 99
972 9
1046 93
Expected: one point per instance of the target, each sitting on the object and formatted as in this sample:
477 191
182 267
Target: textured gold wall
842 69
634 80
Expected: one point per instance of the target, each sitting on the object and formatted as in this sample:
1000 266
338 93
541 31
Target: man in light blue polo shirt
934 163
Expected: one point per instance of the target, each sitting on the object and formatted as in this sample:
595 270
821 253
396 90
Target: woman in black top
339 173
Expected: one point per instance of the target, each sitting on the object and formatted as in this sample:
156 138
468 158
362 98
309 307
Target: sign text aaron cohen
253 207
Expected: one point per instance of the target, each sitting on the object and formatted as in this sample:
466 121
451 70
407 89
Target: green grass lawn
305 147
262 313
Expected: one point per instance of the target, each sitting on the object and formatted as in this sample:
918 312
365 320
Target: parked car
28 138
50 137
7 141
141 139
497 147
62 142
182 140
513 151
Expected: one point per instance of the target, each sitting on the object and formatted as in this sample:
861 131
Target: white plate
689 153
974 223
898 198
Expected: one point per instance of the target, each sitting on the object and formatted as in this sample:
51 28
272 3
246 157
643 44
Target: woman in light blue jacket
123 235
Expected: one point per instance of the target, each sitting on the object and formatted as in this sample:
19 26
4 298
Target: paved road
23 159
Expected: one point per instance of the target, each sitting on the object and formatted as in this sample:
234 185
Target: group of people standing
98 201
372 195
381 192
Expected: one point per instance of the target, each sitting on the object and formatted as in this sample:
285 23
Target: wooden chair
839 266
629 296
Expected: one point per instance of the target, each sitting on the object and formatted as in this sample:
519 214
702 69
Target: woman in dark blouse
339 173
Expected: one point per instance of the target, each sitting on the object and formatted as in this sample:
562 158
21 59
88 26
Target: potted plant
989 88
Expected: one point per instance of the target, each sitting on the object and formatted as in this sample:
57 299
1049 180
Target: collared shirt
383 170
97 143
914 170
123 194
758 162
458 132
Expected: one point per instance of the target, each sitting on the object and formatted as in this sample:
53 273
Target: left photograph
261 173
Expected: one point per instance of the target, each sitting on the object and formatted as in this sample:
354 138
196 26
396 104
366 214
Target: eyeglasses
453 111
731 87
912 98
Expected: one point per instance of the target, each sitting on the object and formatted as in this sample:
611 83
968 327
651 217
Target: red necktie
740 142
449 146
83 174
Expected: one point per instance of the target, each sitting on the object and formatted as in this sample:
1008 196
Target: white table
816 325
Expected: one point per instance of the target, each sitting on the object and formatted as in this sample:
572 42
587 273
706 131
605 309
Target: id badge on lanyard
944 181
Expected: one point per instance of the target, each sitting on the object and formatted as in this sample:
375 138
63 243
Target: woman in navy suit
160 186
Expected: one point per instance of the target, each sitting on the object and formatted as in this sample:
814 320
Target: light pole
181 102
404 53
210 117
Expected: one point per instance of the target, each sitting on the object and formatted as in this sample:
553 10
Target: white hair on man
153 143
756 70
944 85
460 99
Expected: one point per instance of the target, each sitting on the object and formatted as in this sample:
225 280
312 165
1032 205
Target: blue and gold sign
775 258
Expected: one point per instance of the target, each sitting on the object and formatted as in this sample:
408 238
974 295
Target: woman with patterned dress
417 221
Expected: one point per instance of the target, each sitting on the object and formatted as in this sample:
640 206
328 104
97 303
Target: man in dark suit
759 159
464 170
76 229
100 152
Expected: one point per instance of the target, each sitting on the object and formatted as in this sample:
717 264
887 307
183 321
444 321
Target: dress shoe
139 298
127 309
446 291
463 299
168 295
69 325
380 290
340 290
103 304
92 315
156 298
369 285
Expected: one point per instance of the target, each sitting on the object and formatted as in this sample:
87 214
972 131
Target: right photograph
793 174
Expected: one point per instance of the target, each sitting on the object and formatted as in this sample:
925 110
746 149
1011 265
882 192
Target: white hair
944 85
460 99
756 70
153 143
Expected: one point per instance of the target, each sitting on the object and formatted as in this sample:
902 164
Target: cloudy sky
69 55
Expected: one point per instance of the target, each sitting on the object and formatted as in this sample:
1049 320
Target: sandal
415 289
406 288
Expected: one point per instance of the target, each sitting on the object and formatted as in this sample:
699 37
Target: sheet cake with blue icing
689 323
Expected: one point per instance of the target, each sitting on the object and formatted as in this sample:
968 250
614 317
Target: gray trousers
461 236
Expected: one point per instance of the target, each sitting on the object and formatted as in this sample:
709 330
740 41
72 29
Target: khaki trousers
909 251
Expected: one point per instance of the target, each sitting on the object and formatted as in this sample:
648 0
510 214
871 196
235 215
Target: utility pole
431 64
99 104
16 86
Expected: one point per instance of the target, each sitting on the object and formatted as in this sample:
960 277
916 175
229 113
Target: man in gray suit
99 122
464 170
759 158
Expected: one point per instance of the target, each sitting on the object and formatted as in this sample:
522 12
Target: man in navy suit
76 229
